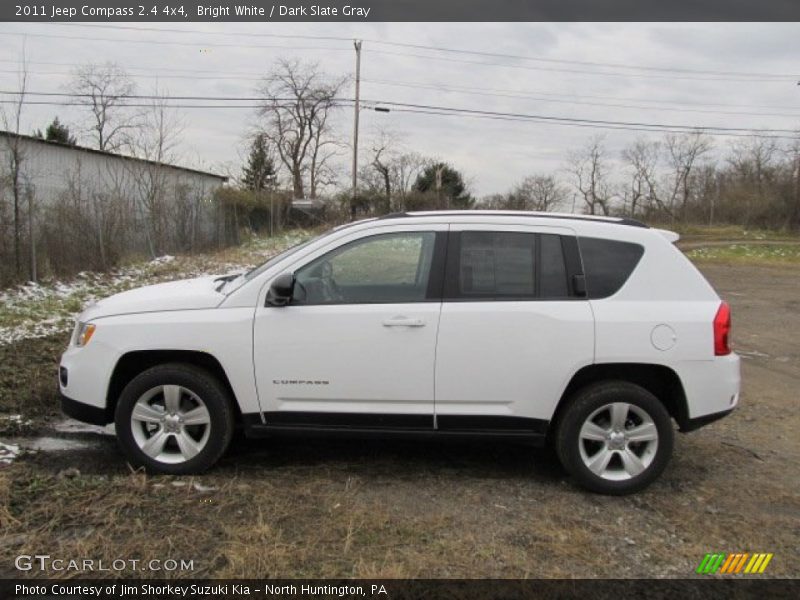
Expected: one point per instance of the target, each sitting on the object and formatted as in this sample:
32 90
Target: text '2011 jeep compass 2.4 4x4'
593 334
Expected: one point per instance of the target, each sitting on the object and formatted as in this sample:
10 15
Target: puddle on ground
84 436
51 444
73 426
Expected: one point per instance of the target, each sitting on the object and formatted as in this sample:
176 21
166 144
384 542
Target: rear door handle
403 322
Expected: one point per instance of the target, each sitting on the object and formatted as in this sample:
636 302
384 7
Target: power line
575 120
202 32
598 97
582 62
151 96
582 71
170 97
444 49
542 98
169 42
340 103
608 127
677 74
455 111
503 93
200 77
489 92
148 68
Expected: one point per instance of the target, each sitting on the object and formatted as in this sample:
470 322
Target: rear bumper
697 423
711 388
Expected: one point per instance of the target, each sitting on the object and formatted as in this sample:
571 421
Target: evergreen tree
446 184
259 172
58 132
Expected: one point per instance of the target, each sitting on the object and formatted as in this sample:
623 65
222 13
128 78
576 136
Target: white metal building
49 168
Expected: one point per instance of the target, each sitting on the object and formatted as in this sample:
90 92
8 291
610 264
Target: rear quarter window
607 264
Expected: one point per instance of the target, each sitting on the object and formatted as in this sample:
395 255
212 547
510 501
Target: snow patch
8 453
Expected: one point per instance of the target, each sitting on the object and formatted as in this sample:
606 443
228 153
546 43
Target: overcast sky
214 59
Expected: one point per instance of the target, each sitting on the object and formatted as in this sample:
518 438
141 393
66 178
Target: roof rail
500 213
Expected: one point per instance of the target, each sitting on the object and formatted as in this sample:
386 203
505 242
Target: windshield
275 259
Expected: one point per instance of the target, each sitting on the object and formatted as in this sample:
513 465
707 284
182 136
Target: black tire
200 382
592 398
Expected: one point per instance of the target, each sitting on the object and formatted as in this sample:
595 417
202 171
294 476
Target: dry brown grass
29 380
392 510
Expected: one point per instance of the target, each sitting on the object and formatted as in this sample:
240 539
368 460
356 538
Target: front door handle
403 322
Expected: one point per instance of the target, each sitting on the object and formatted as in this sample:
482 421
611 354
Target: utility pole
29 192
439 203
356 107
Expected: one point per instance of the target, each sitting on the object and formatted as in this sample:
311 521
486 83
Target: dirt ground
391 509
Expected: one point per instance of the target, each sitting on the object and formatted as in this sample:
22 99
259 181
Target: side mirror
281 290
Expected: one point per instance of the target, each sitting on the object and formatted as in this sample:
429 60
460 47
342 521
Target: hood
176 295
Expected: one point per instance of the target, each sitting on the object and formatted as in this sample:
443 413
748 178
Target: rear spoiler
670 235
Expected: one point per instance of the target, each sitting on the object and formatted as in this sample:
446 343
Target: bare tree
408 166
642 158
589 169
155 141
15 157
683 151
753 159
295 109
382 175
537 192
104 89
383 156
794 162
388 177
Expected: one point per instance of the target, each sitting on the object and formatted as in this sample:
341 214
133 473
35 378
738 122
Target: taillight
722 330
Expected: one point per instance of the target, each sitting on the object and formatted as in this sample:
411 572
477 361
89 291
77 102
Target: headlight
84 333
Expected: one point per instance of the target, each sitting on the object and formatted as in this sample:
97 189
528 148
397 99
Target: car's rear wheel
615 437
174 418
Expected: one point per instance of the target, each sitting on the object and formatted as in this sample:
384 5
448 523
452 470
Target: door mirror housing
281 290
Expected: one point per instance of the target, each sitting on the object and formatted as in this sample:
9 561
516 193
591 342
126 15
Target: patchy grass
728 233
39 310
747 253
28 382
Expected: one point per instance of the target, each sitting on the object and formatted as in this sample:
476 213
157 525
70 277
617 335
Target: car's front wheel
615 437
174 418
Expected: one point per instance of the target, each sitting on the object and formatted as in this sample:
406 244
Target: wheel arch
135 362
660 380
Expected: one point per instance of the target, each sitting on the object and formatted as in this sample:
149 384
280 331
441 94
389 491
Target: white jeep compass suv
590 333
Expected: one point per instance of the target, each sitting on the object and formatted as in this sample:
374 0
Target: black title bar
400 10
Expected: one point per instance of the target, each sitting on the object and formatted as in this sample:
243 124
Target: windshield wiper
225 279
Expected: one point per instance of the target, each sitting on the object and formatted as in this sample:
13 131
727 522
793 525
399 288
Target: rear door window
495 264
505 265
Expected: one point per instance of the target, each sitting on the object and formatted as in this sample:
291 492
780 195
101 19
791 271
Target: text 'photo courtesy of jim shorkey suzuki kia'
590 334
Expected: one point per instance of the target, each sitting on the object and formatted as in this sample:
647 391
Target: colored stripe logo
739 562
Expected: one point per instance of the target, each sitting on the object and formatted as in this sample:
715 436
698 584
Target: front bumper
84 412
83 379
